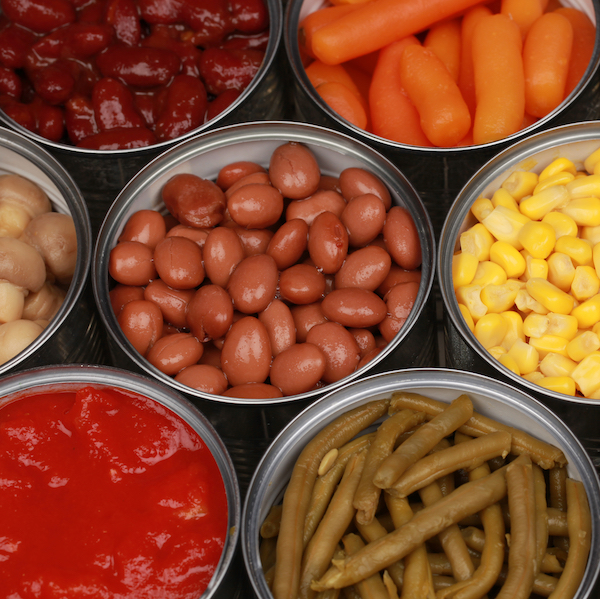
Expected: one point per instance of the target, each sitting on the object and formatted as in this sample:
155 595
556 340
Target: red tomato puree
105 494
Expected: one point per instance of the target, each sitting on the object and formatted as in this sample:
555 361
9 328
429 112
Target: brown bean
255 206
298 369
178 262
402 238
210 313
355 181
253 283
294 170
288 243
142 323
132 263
146 226
301 284
366 268
173 303
222 252
354 307
172 353
327 242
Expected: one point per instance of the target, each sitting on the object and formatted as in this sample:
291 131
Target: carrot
546 56
499 79
393 115
344 102
523 12
466 81
366 62
319 72
378 23
444 40
342 2
584 40
444 115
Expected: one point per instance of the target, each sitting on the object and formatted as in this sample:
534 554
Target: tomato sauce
105 494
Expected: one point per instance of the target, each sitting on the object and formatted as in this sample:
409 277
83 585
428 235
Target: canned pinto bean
352 85
553 358
274 317
350 436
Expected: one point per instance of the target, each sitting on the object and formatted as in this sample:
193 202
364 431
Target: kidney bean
119 139
249 16
80 120
15 42
53 83
77 40
222 102
122 15
114 105
257 41
40 16
10 83
49 119
167 38
209 20
223 69
160 11
18 112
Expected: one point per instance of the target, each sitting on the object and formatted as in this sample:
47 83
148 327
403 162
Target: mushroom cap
21 264
24 193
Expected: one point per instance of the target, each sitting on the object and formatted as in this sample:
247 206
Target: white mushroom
42 305
15 336
20 201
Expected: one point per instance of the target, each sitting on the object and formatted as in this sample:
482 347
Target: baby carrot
499 79
444 115
444 39
584 39
393 115
319 73
546 56
523 12
378 23
343 100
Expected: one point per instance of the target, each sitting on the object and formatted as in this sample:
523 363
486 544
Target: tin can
491 398
225 583
247 426
102 174
462 349
437 173
75 334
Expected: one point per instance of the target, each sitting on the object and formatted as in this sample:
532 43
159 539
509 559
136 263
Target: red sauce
105 494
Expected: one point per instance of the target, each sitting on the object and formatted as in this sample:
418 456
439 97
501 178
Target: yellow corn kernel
481 208
509 362
497 351
509 258
526 304
561 223
499 298
525 355
591 234
584 186
467 316
579 250
477 240
590 162
561 270
504 224
537 206
502 197
596 258
533 377
587 374
520 184
561 178
583 345
563 325
489 273
584 211
490 330
535 325
470 297
537 238
534 267
464 266
514 328
587 313
550 296
549 344
558 165
557 365
585 283
558 384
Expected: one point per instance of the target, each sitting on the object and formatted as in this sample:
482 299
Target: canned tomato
437 172
529 158
69 330
247 422
151 484
364 405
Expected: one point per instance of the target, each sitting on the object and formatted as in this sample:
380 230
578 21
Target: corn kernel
504 224
558 165
587 374
497 351
464 266
587 313
534 267
558 384
537 238
583 345
563 325
481 208
489 273
579 250
561 223
520 184
535 325
590 162
533 377
537 206
502 197
584 187
499 298
470 297
584 211
549 344
561 270
585 283
591 234
561 178
477 240
557 365
526 304
514 328
550 296
490 330
509 362
525 355
509 258
467 316
596 258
